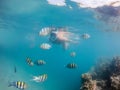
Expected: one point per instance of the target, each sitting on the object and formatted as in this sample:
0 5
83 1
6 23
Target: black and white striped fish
45 31
85 36
40 78
18 84
71 65
40 62
45 46
29 62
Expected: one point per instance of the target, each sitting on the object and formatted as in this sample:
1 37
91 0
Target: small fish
18 84
85 36
73 54
40 78
40 62
71 65
45 31
29 62
15 70
45 46
70 7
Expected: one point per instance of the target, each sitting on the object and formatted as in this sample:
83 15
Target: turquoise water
20 23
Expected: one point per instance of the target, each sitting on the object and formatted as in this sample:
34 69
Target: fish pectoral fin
34 77
10 84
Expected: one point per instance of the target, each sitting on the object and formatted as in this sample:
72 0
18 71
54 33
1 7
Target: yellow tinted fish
18 84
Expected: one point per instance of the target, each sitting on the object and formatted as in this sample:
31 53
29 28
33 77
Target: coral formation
88 83
104 76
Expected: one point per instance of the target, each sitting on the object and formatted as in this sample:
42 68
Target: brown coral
104 76
88 83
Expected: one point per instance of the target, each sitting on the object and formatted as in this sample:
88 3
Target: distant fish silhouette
85 36
29 62
71 65
73 54
40 62
15 69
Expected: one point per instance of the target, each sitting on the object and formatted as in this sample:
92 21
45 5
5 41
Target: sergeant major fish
85 36
40 62
18 84
29 62
71 65
40 78
45 46
45 31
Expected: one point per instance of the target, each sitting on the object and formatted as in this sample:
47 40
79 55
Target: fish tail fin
10 83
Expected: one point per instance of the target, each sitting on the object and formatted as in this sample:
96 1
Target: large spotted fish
40 78
18 84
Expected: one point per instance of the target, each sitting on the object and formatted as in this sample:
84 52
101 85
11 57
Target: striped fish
40 78
29 62
45 46
85 36
40 62
71 65
73 54
45 31
18 84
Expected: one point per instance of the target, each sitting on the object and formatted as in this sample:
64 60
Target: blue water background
20 23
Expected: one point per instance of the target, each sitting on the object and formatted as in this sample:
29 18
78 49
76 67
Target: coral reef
88 83
104 76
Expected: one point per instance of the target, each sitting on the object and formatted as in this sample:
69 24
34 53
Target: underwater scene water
50 46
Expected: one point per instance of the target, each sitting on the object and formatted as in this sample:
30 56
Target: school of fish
64 39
